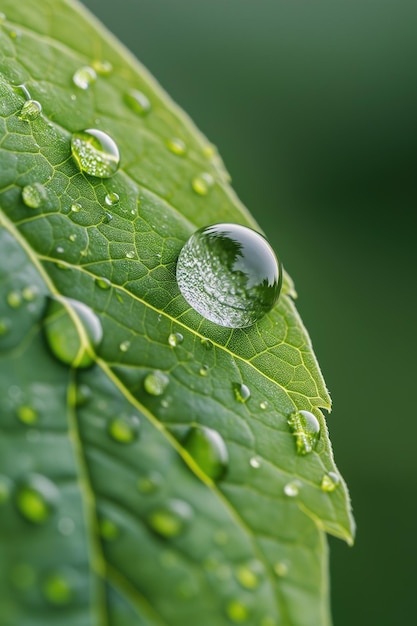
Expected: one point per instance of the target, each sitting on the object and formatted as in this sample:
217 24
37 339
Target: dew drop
29 293
150 483
73 331
73 237
177 146
27 414
208 449
263 405
36 498
130 254
60 250
171 519
175 339
155 383
281 569
82 395
34 195
5 489
84 77
202 183
31 109
104 68
242 392
237 612
14 299
206 343
4 326
124 429
204 370
249 574
124 346
57 589
111 199
108 529
137 102
255 462
95 153
330 481
306 430
76 207
102 283
292 489
229 274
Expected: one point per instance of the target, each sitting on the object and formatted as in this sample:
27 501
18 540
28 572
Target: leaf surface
247 552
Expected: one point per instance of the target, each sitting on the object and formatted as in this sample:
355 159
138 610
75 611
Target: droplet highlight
95 153
208 449
306 429
229 274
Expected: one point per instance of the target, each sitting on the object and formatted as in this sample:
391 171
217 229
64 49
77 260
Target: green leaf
115 508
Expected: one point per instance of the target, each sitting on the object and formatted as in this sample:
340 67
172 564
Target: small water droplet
202 183
104 68
29 293
57 589
124 429
66 526
95 153
137 102
76 207
82 395
209 151
281 569
171 519
330 481
14 34
2 18
204 370
84 77
229 274
249 574
111 199
255 462
175 339
208 449
107 218
73 331
4 326
31 109
108 529
150 483
155 383
102 283
263 405
206 343
5 488
14 299
27 414
130 254
124 346
60 250
306 430
177 146
237 612
292 489
36 498
242 392
73 237
34 195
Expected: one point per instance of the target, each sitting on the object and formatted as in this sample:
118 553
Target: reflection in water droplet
202 183
330 481
57 588
36 498
237 612
27 414
208 449
281 569
292 489
84 77
104 68
150 483
175 339
155 383
14 299
242 392
34 195
108 529
95 153
124 429
306 430
229 274
124 346
255 462
76 207
111 199
137 102
177 146
5 488
102 282
171 519
30 110
73 331
249 574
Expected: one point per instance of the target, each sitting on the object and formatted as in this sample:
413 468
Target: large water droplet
229 274
242 392
95 153
73 331
34 195
27 414
57 588
237 612
124 429
155 383
330 481
138 102
306 430
202 183
30 110
175 339
177 146
84 77
36 498
171 519
208 449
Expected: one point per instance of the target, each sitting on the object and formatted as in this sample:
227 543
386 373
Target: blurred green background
312 104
